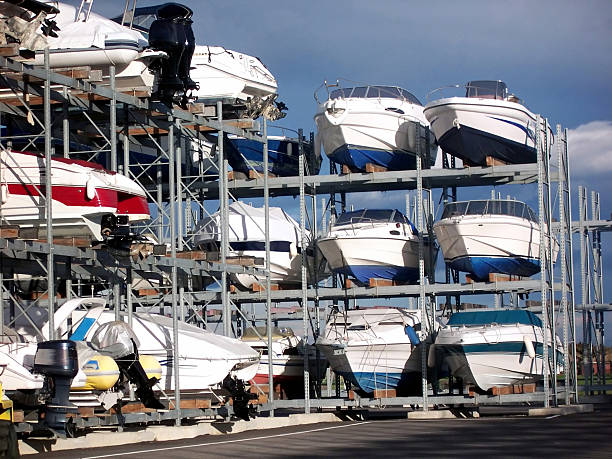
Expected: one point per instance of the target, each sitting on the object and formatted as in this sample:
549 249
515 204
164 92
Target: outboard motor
171 32
58 361
239 395
117 340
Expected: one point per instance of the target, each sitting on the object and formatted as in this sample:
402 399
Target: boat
246 230
88 200
376 125
283 156
487 121
287 359
227 74
374 348
374 243
492 348
482 237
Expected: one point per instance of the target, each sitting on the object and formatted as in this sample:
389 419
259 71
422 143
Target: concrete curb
166 433
443 414
561 410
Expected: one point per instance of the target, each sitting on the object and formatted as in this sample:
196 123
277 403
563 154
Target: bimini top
487 89
374 216
390 92
489 207
506 316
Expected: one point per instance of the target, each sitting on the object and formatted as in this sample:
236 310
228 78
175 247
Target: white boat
226 74
287 359
87 199
374 348
491 348
372 125
491 236
246 229
374 243
486 121
205 359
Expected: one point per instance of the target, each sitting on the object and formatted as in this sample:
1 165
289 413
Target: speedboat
374 348
487 121
205 359
373 125
491 236
87 199
491 348
374 243
226 74
283 156
287 359
247 238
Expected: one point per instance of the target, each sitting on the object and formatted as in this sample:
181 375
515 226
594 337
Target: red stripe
76 196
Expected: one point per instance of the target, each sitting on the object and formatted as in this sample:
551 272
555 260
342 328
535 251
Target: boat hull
481 245
474 129
355 132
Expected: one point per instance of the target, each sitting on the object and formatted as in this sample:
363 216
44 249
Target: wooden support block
9 231
384 393
491 161
18 416
236 175
160 249
348 283
502 390
347 170
468 279
351 395
203 109
375 168
255 287
192 255
28 233
72 241
517 388
132 407
192 404
374 282
243 261
141 249
529 388
9 50
471 391
147 292
255 175
260 400
497 277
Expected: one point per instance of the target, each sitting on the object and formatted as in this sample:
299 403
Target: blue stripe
363 273
481 266
81 332
356 157
518 125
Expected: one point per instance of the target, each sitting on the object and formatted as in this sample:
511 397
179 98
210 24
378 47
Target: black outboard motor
171 32
239 395
117 340
58 361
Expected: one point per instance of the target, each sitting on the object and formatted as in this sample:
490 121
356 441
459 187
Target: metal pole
66 125
268 281
223 213
550 271
304 277
173 232
113 120
422 299
49 198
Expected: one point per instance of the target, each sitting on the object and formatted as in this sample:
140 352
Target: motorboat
491 236
287 359
487 121
87 199
375 243
246 230
205 359
226 74
491 348
374 348
373 125
283 156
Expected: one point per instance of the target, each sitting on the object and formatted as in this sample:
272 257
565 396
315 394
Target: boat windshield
374 215
489 207
390 92
487 89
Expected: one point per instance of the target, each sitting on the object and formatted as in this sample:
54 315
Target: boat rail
489 207
365 91
474 90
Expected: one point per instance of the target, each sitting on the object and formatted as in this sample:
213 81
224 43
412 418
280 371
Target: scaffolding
167 151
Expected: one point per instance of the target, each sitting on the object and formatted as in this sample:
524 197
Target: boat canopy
372 216
391 92
487 89
251 333
489 207
505 316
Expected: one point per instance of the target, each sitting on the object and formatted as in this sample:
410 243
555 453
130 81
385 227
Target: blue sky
555 55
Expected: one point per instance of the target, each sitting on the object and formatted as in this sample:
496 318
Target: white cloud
590 149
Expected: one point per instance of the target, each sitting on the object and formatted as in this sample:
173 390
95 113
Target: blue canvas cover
505 316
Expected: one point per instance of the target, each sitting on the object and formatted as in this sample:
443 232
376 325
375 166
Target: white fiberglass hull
494 356
83 193
472 129
285 269
481 244
223 73
357 131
